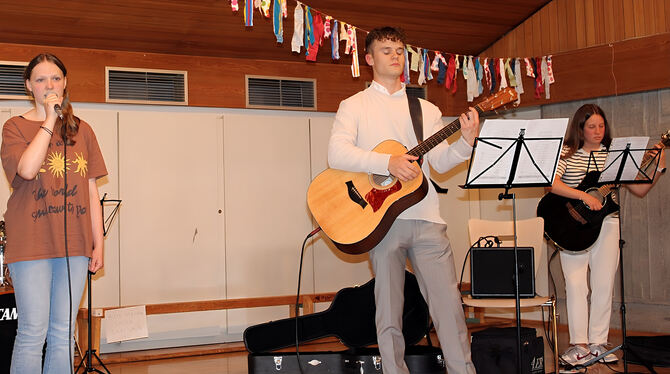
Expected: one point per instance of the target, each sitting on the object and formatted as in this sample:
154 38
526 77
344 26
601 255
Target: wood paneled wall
567 25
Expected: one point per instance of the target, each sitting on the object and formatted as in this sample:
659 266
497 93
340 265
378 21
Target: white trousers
602 258
428 249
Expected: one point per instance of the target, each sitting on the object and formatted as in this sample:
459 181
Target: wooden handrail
306 303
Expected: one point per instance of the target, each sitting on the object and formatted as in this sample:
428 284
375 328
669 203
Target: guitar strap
417 122
417 116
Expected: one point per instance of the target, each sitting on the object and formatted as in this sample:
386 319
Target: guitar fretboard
435 139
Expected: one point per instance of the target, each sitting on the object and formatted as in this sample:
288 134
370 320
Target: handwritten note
126 324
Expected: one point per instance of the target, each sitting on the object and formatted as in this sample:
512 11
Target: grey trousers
428 249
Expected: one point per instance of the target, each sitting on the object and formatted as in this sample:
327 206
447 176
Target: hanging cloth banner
503 78
519 81
439 65
317 33
422 67
298 20
248 13
414 65
510 73
405 77
451 70
278 14
335 42
487 73
355 68
326 27
309 30
264 7
529 68
472 89
545 78
427 68
538 77
234 5
550 70
492 68
454 82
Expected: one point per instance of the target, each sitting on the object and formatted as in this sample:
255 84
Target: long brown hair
71 127
575 137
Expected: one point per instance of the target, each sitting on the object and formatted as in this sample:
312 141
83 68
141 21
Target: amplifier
492 272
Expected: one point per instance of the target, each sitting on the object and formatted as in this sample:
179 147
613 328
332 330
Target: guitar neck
435 139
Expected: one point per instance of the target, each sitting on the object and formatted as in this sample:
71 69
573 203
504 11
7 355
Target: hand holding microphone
51 101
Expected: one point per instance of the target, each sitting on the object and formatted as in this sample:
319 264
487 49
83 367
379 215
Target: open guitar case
350 318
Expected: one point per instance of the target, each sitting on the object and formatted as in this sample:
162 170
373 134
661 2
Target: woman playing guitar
589 131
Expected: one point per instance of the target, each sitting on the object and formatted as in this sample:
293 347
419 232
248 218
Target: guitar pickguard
377 197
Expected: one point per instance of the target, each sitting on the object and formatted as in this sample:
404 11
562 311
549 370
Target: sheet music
614 157
544 152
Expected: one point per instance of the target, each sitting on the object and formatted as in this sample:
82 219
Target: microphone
58 110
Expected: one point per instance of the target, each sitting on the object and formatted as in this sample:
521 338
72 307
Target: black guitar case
350 317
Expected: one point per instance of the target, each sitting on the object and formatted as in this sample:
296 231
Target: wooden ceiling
210 28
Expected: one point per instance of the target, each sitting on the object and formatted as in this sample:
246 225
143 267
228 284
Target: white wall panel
267 173
172 237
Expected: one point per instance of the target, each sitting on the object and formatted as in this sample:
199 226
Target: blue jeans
41 292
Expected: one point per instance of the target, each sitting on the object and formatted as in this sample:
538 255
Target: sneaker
576 355
599 349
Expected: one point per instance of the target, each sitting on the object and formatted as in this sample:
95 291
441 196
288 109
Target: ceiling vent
144 86
11 80
281 93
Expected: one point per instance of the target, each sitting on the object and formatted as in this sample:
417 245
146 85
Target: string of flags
311 27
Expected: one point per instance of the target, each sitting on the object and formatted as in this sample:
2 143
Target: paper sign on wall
126 324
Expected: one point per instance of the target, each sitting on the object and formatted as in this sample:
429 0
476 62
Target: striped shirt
572 170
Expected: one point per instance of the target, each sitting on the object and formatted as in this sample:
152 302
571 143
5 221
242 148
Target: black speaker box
492 272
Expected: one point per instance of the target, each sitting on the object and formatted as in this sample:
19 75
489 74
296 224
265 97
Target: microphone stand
90 352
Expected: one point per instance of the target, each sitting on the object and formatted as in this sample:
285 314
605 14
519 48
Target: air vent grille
139 86
11 80
281 93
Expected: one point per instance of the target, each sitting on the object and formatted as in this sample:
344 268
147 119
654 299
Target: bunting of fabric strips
493 73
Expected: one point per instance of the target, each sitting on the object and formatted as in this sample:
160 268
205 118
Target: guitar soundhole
595 193
382 181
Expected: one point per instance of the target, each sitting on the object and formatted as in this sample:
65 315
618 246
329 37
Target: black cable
297 296
487 244
67 256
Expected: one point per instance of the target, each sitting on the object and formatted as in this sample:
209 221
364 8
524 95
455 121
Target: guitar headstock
499 99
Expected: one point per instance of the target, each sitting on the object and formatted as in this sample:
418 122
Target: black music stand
616 165
90 352
505 176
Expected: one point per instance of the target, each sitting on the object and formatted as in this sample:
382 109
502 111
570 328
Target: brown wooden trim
219 82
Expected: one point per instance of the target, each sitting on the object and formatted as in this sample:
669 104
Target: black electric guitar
569 223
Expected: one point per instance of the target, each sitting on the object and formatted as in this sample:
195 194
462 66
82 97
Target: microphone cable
297 296
70 351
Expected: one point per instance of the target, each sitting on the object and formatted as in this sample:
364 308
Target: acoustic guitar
355 210
569 223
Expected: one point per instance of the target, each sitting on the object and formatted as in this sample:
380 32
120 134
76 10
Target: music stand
90 352
491 167
621 167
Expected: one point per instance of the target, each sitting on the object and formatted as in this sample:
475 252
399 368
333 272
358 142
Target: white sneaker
599 349
576 355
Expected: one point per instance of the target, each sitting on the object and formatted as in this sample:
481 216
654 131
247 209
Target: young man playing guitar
364 120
